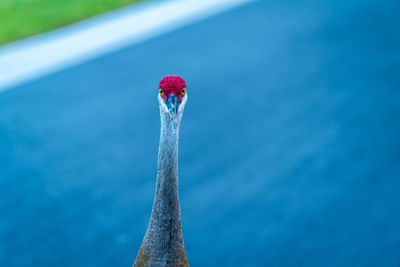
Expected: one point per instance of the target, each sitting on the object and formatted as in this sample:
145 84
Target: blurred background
289 147
24 18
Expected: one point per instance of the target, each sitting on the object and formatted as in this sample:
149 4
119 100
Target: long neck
166 199
163 242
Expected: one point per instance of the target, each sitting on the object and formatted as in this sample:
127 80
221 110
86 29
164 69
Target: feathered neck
163 242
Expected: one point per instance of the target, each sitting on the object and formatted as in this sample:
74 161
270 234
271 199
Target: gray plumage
163 241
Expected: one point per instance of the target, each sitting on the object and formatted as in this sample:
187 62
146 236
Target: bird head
172 96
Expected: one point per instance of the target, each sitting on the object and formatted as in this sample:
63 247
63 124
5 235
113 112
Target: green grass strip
23 18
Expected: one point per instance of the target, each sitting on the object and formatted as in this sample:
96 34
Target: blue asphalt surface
289 151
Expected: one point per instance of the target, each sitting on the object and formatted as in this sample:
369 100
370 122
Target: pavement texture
289 149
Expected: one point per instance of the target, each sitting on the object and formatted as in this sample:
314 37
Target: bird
163 242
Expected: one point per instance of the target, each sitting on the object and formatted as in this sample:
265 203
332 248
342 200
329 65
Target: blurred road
289 151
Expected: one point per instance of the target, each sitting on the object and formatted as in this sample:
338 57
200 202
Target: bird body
163 241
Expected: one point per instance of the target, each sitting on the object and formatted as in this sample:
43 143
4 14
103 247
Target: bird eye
161 91
183 91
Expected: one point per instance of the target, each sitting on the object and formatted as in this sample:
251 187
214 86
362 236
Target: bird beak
172 104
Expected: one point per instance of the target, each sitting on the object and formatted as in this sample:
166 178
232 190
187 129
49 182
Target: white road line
32 58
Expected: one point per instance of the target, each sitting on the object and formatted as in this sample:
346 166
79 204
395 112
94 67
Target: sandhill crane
163 242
